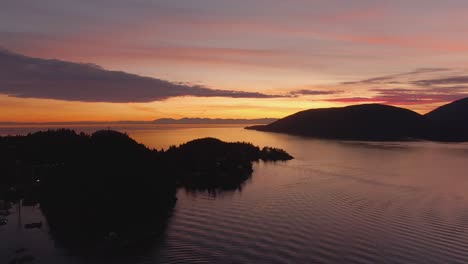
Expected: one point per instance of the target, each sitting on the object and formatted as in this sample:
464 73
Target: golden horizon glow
45 110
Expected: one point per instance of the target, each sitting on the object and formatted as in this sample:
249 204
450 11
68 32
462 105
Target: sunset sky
69 60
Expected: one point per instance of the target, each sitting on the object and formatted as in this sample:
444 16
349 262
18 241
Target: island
376 122
211 164
106 190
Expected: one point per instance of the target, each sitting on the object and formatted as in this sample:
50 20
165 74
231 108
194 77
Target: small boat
33 225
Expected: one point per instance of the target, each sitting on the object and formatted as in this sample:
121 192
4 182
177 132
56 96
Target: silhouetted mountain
358 122
448 122
214 121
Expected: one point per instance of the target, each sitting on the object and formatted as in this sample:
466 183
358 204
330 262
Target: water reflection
217 191
49 244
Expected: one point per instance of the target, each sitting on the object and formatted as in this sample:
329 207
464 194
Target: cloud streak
314 92
402 96
27 77
422 86
393 79
452 80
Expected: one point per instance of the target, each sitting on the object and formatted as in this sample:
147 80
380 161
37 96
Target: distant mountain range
377 122
157 121
214 121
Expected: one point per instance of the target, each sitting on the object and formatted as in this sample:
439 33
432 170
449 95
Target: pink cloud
405 97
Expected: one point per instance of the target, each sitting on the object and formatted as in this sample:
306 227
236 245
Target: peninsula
107 190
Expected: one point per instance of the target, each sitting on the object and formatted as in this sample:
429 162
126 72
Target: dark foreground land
377 122
105 190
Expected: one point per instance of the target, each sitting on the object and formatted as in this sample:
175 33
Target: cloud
313 92
416 41
393 79
402 96
422 86
27 77
462 79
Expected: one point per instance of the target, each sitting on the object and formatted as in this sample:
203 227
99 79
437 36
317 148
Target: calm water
337 202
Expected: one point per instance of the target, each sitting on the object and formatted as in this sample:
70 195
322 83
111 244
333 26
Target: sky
106 60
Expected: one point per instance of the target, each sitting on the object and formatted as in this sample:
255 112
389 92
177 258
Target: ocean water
336 202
